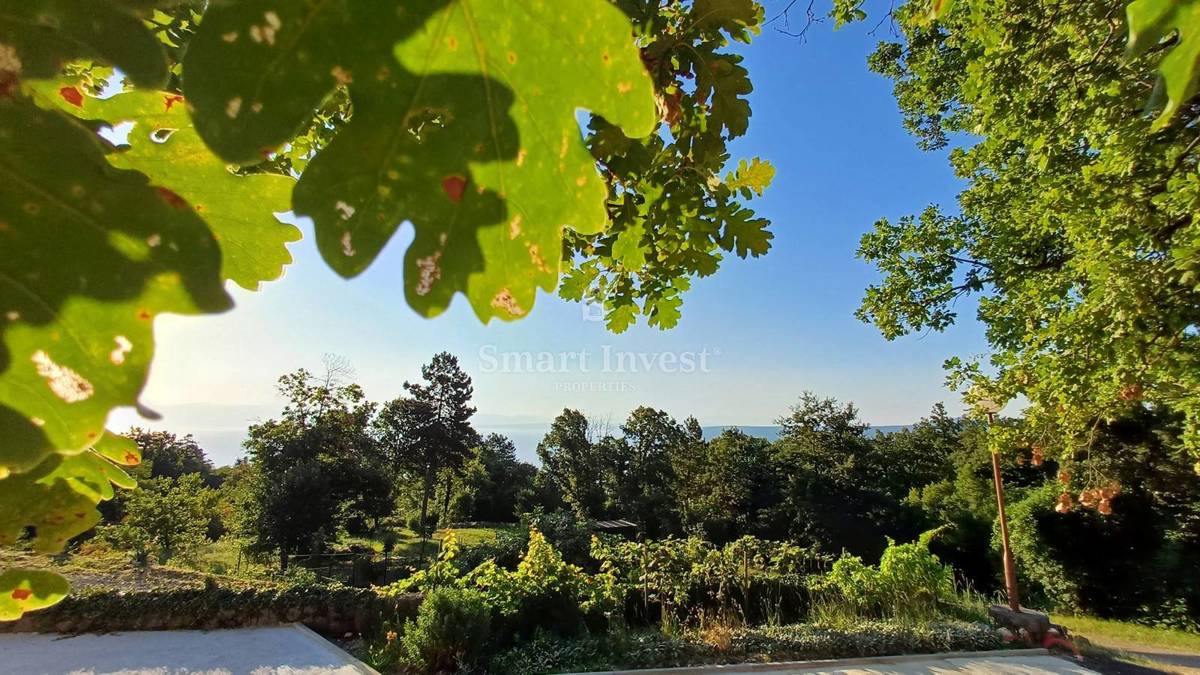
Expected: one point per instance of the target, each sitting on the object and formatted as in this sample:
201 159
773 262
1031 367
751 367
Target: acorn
1105 507
1064 477
1064 503
1088 498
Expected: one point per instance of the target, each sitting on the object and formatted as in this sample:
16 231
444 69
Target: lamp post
991 408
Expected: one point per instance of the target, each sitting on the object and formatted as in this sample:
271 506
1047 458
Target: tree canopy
316 456
1075 233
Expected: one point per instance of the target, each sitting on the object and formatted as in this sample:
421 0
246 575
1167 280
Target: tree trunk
283 559
425 510
446 498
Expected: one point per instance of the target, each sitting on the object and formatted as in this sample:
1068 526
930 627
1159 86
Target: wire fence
358 568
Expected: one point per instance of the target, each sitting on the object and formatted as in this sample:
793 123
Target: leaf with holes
464 124
91 255
1150 22
37 37
28 590
164 145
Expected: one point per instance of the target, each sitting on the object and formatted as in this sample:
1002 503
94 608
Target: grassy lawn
98 566
112 570
409 544
224 556
1097 630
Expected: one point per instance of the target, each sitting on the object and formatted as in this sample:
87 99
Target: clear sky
758 333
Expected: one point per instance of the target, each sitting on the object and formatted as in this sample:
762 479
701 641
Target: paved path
282 650
1017 662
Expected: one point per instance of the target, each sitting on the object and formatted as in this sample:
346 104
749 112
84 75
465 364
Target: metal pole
1010 568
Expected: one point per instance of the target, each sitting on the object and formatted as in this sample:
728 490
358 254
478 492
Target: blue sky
767 329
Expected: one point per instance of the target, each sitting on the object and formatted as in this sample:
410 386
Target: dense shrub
167 519
332 609
505 550
450 633
544 591
867 638
677 580
547 653
701 595
1114 566
550 653
910 582
571 537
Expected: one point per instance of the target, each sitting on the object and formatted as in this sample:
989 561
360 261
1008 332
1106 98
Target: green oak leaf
164 145
746 235
577 279
91 255
24 590
620 318
1151 21
725 83
628 247
741 19
60 495
750 178
58 499
464 124
118 449
38 37
664 312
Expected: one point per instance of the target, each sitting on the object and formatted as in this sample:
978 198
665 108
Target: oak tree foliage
454 115
1072 126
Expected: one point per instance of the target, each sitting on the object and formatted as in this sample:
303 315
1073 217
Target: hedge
332 610
546 653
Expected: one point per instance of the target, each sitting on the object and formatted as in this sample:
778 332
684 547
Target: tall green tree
733 490
573 462
643 475
689 468
495 482
166 455
311 462
429 433
167 518
1075 233
163 455
831 477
